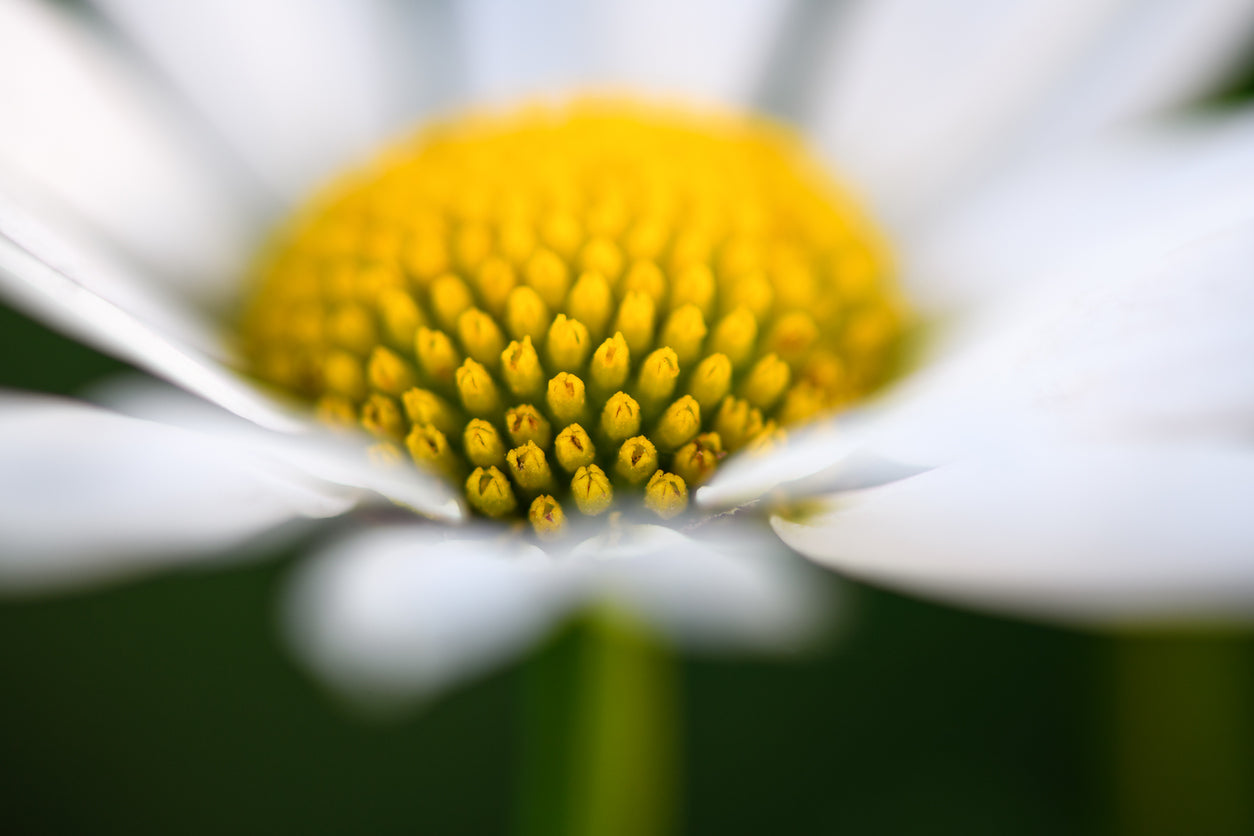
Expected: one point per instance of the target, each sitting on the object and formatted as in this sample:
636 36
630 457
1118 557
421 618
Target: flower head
550 350
651 274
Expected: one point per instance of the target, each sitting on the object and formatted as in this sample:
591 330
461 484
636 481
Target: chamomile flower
604 349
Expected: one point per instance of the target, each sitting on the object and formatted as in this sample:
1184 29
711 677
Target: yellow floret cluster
572 309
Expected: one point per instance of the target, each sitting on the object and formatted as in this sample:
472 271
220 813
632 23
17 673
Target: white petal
402 611
515 50
1139 193
53 282
295 87
705 50
1154 57
1153 353
714 50
826 458
329 457
86 494
1147 352
724 588
86 139
1136 533
408 611
44 278
920 97
915 92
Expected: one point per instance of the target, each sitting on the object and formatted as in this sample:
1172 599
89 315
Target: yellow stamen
449 298
637 460
793 336
490 493
646 277
734 336
620 419
477 389
592 490
635 321
548 276
737 422
566 398
529 468
653 286
388 372
426 407
666 495
382 417
679 424
436 355
524 423
495 281
343 375
568 344
401 317
520 366
481 337
611 363
526 314
658 375
696 460
754 294
767 380
694 286
574 448
547 518
591 302
602 256
430 449
562 233
711 381
684 332
353 328
483 444
803 402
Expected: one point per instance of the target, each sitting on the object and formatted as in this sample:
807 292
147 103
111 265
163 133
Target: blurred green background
169 706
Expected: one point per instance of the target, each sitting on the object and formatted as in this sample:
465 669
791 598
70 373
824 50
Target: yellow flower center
572 309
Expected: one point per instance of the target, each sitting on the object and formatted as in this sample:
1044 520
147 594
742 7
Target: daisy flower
1070 442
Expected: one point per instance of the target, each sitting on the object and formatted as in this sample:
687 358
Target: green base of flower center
563 308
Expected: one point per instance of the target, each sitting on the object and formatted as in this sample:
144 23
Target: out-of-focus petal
714 50
1105 533
722 588
85 140
65 296
44 277
87 495
1152 353
335 458
297 88
526 49
410 611
1131 194
403 611
56 284
1156 56
917 99
701 50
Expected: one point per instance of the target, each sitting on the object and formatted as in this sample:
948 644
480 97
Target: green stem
599 733
1184 761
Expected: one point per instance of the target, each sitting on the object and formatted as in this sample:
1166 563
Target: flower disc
558 307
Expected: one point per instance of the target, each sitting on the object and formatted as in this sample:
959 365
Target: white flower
1077 445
